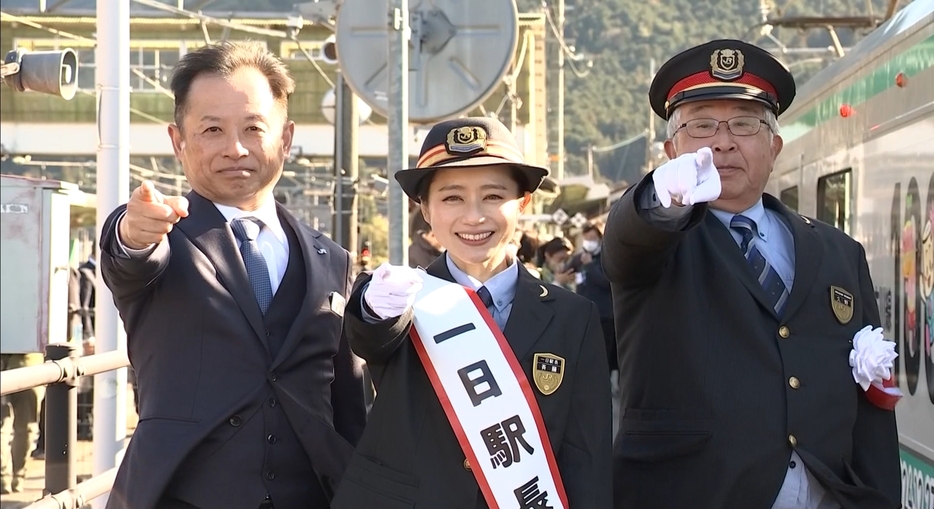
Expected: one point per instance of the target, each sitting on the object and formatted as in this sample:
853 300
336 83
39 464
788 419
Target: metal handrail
61 373
55 371
79 495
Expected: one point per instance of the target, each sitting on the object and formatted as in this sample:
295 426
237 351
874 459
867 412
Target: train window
834 199
790 198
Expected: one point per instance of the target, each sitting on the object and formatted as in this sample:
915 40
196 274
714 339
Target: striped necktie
775 289
247 229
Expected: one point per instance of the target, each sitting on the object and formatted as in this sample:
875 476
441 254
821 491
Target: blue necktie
485 297
775 289
247 229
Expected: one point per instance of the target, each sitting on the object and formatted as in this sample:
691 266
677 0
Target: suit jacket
195 338
409 455
717 390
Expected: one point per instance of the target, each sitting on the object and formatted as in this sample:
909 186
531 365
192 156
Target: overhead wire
513 77
312 60
203 18
17 19
572 56
620 144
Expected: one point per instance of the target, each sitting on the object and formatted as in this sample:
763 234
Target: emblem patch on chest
841 301
547 372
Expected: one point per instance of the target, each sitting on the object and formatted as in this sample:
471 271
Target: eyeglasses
708 127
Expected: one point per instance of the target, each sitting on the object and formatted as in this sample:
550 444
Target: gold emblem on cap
464 140
727 64
841 301
547 372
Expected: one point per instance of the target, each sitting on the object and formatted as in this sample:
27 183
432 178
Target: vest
256 452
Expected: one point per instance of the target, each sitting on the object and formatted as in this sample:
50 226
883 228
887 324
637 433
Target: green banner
917 481
910 62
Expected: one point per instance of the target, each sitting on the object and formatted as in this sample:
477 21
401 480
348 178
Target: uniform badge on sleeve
547 372
841 301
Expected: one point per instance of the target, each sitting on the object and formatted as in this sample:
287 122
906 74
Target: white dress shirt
502 287
272 242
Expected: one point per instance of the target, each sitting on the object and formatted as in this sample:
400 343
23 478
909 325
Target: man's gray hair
674 122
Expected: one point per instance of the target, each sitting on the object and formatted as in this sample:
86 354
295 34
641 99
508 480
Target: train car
859 154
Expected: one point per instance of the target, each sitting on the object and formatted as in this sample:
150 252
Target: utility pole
559 169
398 126
650 137
112 78
590 161
346 167
350 120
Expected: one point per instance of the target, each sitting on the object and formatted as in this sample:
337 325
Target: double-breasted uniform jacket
201 349
409 455
717 390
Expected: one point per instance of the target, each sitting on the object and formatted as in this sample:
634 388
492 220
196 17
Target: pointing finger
148 193
179 205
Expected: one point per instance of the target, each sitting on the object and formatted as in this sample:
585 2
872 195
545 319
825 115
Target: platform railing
61 373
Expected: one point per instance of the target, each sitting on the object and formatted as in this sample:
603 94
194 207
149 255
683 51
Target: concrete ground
35 469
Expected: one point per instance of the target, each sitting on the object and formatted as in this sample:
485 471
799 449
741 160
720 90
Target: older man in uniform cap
739 319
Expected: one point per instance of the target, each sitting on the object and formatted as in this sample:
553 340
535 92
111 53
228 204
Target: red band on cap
704 78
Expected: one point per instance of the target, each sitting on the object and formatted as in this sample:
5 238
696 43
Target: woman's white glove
392 290
688 179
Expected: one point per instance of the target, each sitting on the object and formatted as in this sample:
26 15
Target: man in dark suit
249 398
736 316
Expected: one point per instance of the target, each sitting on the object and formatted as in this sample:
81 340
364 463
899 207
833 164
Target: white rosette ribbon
872 361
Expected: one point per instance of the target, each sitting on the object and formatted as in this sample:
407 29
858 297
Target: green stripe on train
916 59
917 481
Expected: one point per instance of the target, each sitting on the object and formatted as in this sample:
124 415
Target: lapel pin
544 291
322 251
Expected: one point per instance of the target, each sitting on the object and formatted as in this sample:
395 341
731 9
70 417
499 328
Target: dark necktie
485 297
775 289
247 229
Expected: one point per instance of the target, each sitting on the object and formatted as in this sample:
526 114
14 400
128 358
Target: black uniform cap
466 143
722 69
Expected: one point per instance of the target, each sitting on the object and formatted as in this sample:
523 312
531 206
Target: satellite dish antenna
459 52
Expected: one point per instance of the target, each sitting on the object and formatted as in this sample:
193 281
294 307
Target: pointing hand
150 216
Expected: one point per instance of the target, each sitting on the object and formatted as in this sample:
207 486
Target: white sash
487 398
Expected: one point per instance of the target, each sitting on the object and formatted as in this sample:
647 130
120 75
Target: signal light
901 80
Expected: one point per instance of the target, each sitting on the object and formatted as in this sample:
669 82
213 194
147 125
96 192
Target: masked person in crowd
491 386
593 284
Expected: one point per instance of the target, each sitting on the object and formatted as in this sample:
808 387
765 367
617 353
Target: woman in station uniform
417 451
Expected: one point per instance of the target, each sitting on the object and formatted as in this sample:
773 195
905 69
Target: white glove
690 178
392 290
